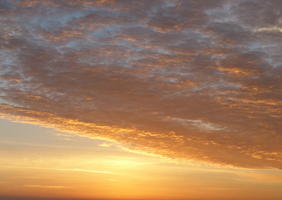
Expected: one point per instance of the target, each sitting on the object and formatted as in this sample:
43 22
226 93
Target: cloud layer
191 79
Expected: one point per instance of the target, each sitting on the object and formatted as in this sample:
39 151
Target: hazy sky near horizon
194 85
38 162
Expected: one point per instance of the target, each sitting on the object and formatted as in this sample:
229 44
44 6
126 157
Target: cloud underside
185 79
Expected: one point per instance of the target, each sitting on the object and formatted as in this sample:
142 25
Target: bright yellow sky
41 162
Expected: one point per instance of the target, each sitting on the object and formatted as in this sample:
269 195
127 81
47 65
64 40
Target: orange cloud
184 79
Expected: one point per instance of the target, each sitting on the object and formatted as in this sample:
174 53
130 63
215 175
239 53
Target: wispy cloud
46 186
63 169
84 170
185 79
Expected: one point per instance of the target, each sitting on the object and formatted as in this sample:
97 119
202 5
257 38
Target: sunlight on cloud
275 29
182 79
45 186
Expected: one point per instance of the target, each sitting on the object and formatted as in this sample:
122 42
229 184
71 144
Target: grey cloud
185 79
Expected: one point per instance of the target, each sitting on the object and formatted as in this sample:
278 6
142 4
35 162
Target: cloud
185 79
92 171
46 186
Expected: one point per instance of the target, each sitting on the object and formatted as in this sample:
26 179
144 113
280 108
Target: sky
147 99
